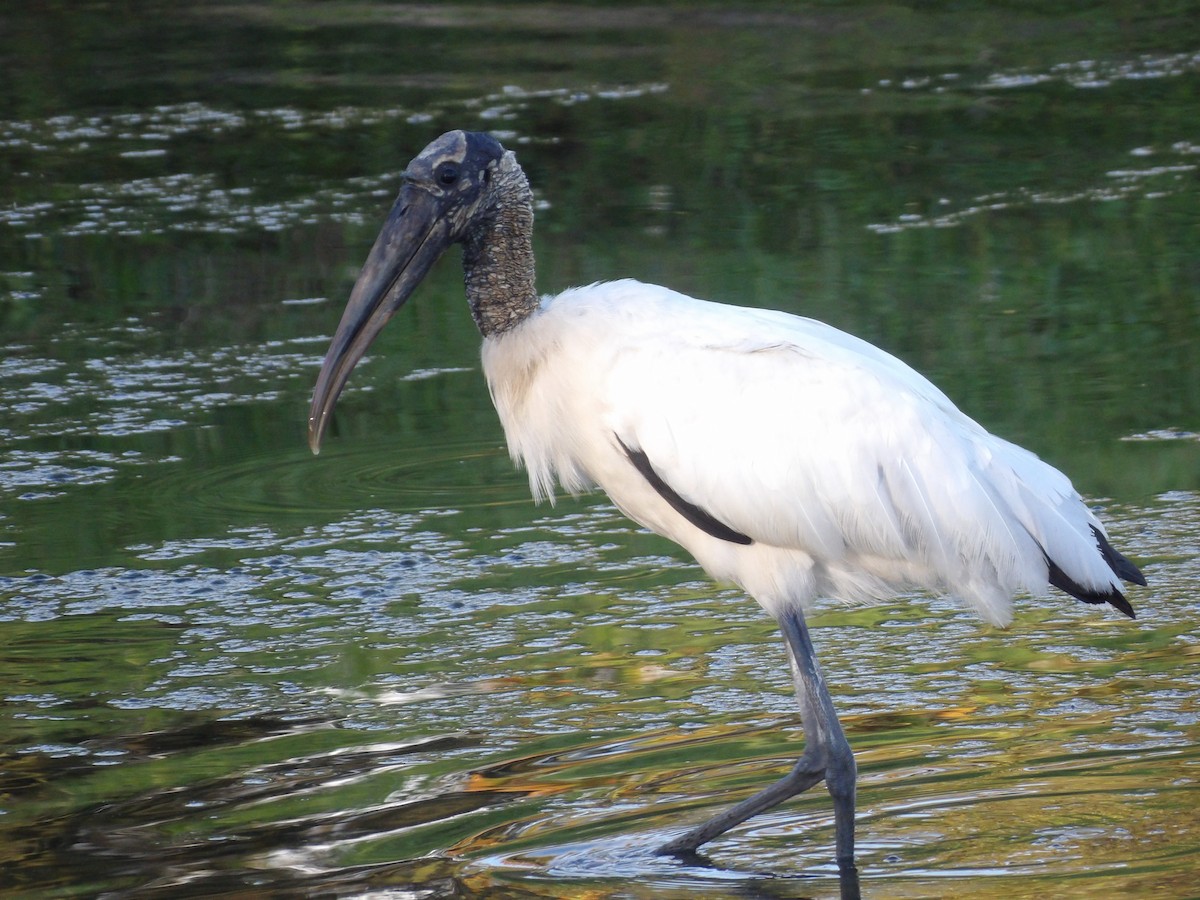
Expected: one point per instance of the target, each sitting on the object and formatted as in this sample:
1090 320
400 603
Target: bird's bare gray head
456 171
462 188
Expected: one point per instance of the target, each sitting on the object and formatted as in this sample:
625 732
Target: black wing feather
702 519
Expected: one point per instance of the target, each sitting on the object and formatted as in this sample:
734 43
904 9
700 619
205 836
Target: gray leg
827 756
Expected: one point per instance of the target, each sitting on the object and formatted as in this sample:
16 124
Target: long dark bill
412 239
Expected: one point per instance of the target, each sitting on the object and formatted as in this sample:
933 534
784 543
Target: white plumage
853 475
788 457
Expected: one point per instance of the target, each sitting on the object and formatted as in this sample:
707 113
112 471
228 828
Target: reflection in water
300 804
1065 745
230 670
557 697
198 202
110 842
1170 175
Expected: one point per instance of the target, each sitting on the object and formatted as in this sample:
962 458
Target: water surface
232 668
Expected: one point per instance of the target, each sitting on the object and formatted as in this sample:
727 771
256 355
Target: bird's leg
821 725
827 756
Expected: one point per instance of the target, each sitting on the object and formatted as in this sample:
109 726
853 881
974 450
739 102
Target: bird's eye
446 174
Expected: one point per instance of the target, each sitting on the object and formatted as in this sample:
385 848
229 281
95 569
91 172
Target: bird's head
449 193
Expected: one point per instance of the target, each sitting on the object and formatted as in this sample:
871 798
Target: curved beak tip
413 237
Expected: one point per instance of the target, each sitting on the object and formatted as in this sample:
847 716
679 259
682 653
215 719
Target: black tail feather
1063 582
1121 567
1124 569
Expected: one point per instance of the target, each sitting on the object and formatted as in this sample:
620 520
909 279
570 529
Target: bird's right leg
821 726
827 756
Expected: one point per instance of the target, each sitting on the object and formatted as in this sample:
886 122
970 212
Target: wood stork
787 457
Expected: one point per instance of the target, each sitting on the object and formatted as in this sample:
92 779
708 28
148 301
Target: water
230 668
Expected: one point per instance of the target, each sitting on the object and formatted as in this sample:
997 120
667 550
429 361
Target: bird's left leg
827 756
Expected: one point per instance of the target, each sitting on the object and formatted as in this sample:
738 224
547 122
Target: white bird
787 457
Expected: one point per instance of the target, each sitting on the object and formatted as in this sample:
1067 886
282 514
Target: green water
228 668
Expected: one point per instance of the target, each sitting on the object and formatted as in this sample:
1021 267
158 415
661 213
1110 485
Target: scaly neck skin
498 256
